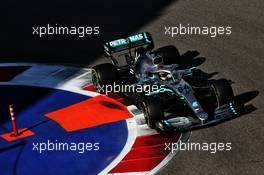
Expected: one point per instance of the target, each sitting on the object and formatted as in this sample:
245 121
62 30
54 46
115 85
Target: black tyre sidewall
153 111
104 74
107 73
223 91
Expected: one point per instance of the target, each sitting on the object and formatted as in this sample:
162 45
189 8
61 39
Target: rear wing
133 41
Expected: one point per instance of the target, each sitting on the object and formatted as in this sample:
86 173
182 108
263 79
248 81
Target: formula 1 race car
181 98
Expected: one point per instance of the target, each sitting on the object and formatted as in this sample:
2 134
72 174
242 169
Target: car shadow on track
245 98
192 59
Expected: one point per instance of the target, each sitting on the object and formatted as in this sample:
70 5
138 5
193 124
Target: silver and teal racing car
184 97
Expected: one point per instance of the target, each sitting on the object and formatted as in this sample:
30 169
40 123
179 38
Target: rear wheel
153 111
103 74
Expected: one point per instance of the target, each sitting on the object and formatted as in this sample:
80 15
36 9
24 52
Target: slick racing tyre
170 55
222 92
153 111
103 74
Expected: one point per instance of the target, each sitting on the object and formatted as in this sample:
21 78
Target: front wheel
222 91
153 111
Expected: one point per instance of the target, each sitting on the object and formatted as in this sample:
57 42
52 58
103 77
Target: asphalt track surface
238 57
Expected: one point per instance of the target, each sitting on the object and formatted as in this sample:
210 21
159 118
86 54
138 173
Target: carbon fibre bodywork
189 99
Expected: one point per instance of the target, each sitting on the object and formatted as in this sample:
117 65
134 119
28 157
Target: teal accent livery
133 41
